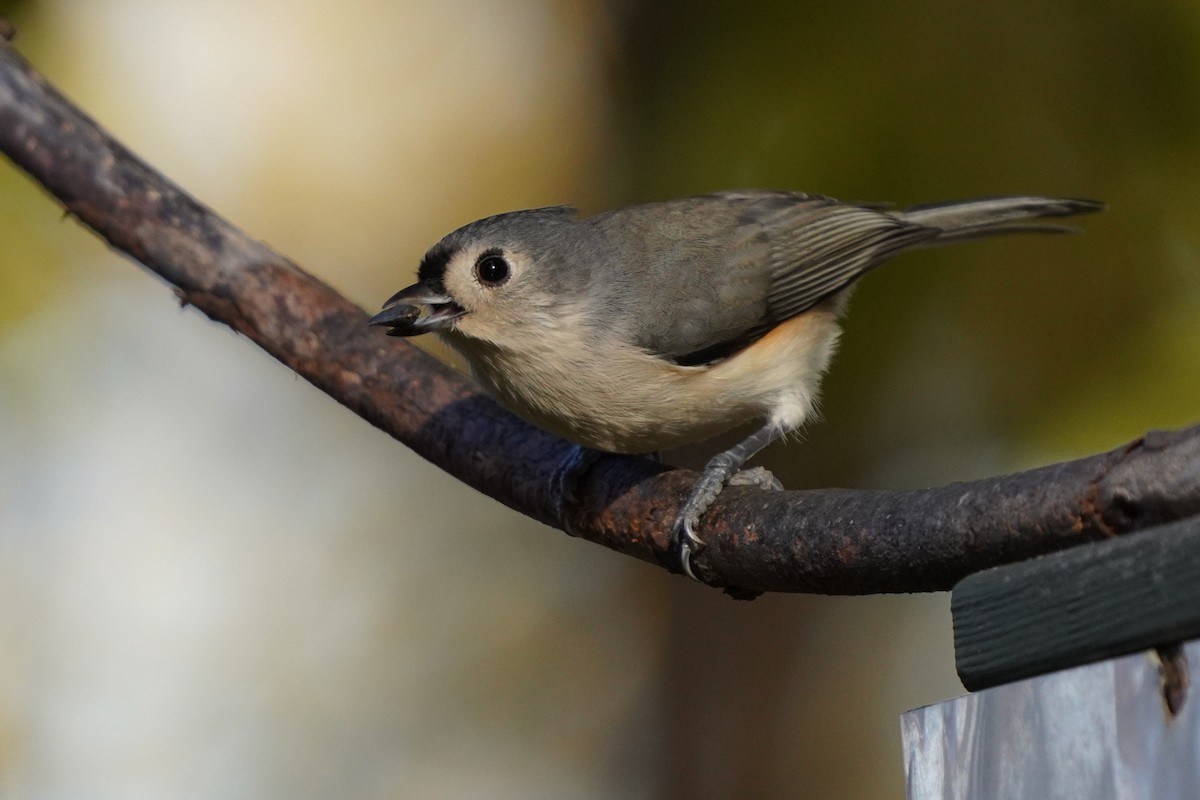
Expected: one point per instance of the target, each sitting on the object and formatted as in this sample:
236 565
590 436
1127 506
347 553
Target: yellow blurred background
216 582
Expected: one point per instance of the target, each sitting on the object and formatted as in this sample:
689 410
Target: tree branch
827 541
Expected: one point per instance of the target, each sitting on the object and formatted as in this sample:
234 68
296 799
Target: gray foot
759 477
712 482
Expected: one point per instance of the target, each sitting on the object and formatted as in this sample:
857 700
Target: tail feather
969 219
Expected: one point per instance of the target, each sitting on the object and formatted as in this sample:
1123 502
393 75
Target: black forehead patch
432 271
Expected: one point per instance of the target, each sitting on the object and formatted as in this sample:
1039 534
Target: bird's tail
970 219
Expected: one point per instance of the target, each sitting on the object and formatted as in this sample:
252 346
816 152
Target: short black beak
416 310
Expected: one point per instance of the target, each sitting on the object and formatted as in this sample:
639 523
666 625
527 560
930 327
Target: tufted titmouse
652 326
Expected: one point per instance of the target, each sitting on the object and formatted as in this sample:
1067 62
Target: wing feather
815 248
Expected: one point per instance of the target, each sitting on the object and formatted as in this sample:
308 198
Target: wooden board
1081 605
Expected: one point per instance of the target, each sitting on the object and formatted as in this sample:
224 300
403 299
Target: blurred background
215 582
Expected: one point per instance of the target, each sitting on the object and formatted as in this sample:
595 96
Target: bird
651 326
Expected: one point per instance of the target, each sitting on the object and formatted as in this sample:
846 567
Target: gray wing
817 249
754 260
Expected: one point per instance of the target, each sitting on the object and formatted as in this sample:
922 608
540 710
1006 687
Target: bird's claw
684 539
688 544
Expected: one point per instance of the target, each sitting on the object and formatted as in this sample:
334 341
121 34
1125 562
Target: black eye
491 269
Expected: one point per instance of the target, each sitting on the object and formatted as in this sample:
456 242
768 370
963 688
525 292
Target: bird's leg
719 472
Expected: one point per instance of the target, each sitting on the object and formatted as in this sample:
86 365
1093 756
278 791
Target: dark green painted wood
1077 606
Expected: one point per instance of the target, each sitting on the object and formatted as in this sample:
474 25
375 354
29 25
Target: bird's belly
595 409
634 402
